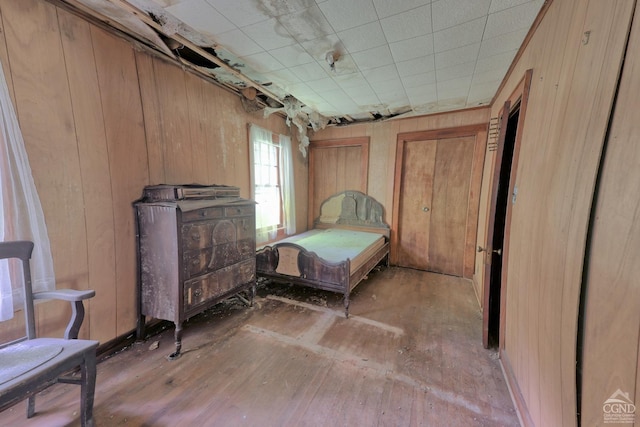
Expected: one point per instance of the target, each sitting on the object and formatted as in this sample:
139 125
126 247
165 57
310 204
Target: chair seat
44 359
23 357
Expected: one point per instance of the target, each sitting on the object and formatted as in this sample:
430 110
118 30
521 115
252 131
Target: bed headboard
354 210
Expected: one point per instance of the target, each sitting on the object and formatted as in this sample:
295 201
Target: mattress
337 245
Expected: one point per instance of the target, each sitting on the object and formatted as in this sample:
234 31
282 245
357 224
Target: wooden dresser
196 247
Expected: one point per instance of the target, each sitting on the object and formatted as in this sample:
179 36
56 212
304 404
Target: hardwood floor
410 354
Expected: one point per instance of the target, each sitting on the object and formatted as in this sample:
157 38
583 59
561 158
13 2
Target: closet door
436 207
336 165
416 203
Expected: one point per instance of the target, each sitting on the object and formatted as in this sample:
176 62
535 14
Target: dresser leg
178 338
140 328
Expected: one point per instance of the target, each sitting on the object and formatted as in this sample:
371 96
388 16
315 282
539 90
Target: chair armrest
75 297
65 294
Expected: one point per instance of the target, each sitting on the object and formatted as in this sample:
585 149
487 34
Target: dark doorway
497 245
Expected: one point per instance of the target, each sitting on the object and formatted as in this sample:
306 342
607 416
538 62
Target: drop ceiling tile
369 100
279 8
373 58
456 71
361 90
282 77
510 20
455 88
323 85
386 8
263 62
269 34
201 16
423 94
457 56
310 71
450 13
319 47
498 5
460 35
344 65
502 44
412 48
493 75
394 99
416 66
414 23
392 85
307 24
300 89
343 14
490 62
238 43
417 80
349 80
481 94
291 56
364 37
381 74
240 12
342 102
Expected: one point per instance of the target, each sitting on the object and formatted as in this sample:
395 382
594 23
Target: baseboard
514 390
121 342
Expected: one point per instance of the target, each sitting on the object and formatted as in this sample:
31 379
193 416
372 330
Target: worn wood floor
409 355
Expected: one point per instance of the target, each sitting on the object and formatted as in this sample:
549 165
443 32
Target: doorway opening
497 246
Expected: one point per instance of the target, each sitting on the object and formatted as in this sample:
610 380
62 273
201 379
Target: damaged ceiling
335 61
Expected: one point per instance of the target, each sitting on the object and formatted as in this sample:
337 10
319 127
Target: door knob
497 251
481 249
425 209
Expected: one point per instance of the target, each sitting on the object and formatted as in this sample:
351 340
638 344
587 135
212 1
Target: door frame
479 131
519 97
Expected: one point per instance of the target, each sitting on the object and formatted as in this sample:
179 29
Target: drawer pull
195 237
197 293
195 261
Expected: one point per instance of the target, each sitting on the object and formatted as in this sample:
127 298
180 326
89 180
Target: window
272 184
21 216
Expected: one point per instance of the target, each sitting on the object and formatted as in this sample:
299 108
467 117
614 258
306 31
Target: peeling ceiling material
337 61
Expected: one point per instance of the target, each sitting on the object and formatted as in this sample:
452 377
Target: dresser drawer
202 214
218 284
200 235
200 261
235 211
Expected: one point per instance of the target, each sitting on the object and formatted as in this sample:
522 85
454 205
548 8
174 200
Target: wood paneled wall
101 119
612 288
575 54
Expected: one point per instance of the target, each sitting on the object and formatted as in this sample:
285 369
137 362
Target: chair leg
31 406
87 389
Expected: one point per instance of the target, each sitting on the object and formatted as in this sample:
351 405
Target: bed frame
351 210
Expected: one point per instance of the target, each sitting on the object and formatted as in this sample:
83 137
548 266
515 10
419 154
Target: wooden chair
29 364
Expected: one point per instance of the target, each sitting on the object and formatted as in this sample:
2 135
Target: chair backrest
22 250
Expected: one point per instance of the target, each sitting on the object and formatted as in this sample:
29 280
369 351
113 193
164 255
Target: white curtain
261 143
21 216
288 187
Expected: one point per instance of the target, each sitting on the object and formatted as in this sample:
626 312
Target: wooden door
434 201
415 204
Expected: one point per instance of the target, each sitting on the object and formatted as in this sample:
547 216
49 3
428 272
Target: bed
349 239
